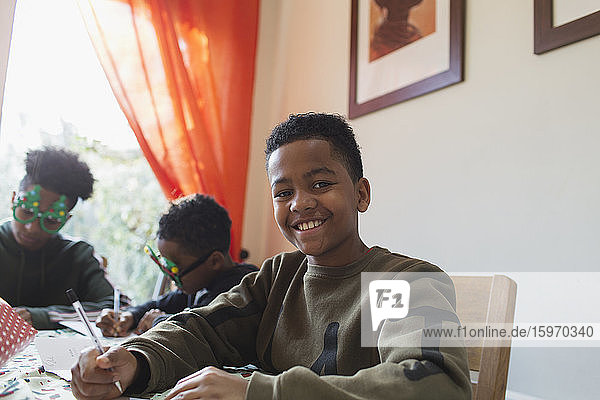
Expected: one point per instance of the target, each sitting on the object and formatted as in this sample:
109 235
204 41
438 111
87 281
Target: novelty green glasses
170 269
26 210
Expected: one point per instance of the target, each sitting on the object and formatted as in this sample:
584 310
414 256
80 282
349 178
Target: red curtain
183 73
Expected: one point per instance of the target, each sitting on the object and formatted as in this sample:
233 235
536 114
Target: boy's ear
216 260
12 200
363 192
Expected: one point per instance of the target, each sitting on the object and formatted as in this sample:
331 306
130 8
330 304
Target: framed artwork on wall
561 22
401 49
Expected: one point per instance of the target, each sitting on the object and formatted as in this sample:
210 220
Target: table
24 377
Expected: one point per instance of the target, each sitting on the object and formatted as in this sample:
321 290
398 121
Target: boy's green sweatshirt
301 323
38 280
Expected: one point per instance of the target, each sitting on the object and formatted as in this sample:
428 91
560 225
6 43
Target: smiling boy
316 201
298 318
37 263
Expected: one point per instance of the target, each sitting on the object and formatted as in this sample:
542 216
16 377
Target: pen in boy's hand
116 308
72 296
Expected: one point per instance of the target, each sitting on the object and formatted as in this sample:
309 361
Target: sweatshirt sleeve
412 366
169 303
193 339
408 367
42 318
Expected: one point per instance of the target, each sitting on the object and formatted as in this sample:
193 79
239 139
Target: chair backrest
489 300
162 286
103 261
125 299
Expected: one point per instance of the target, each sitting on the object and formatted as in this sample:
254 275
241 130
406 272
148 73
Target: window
56 94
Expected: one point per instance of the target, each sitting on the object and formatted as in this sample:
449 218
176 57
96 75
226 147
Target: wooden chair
161 286
489 300
103 261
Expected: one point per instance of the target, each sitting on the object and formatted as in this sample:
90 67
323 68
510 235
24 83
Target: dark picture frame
548 37
452 75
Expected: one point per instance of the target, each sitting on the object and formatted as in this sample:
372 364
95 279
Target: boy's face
30 235
196 279
316 203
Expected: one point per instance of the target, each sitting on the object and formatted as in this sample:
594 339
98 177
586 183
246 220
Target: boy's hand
91 378
106 322
147 320
210 383
24 313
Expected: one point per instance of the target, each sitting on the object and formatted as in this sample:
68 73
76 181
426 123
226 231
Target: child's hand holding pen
94 375
111 327
72 296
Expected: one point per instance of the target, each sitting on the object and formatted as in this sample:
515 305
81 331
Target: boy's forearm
185 344
170 303
139 311
40 318
191 340
171 353
141 376
44 317
386 381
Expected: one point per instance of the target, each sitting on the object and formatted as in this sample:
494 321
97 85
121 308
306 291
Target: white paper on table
63 373
157 396
60 353
79 326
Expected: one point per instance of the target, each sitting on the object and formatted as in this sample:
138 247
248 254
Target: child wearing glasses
193 241
37 263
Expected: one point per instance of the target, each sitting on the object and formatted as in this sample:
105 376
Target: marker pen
72 296
117 306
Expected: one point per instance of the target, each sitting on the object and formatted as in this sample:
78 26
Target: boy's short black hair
58 170
332 128
198 223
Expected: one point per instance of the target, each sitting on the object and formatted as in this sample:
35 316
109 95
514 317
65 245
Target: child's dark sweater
38 280
177 301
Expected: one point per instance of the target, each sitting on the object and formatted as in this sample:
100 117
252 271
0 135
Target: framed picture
561 22
400 49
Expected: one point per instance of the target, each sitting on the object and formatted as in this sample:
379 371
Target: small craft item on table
15 332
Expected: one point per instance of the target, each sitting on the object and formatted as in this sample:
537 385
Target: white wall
7 12
498 173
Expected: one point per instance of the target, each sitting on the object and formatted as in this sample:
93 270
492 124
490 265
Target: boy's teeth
309 225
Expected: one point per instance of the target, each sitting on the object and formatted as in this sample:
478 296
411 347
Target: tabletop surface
24 377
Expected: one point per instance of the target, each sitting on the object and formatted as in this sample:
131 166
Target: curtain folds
183 73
